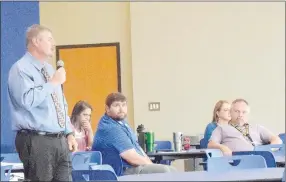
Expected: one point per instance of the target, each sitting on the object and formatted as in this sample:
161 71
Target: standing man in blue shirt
114 137
38 109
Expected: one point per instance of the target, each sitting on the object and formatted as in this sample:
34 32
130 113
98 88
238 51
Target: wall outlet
154 106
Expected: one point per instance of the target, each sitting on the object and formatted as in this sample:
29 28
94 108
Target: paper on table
15 165
16 176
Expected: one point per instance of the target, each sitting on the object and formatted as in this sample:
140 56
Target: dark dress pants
45 158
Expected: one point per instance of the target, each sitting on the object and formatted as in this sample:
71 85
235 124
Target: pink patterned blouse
81 138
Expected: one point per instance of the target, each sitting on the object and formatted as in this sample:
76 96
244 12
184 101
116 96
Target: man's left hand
72 143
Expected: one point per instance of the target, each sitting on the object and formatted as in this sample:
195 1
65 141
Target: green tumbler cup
149 141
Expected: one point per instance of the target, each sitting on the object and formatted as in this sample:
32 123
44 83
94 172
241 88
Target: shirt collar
233 124
241 125
38 64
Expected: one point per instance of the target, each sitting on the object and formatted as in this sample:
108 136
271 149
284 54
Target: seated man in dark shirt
115 136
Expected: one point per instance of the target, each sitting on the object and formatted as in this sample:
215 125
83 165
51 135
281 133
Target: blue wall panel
16 17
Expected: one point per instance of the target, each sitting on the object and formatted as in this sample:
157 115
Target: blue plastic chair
210 153
203 143
282 137
268 156
222 164
164 146
11 157
7 149
112 158
82 160
95 173
283 177
275 149
5 172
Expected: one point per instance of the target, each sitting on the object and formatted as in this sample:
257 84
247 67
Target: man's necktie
59 110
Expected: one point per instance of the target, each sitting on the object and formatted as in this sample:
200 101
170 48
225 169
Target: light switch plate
154 106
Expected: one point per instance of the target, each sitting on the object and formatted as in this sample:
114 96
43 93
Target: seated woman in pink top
80 119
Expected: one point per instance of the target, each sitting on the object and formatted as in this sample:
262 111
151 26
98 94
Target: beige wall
189 55
186 56
91 23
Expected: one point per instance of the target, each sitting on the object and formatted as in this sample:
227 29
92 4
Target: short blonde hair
33 31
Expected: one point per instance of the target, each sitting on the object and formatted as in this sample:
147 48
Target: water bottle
177 139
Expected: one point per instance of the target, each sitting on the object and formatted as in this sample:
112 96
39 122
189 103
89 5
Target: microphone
60 64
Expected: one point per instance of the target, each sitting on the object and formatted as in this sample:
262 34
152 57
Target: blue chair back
282 137
113 159
82 160
11 157
5 172
222 164
163 145
97 173
213 153
7 149
268 156
203 143
275 149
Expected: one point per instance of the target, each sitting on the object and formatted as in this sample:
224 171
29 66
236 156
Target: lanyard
244 132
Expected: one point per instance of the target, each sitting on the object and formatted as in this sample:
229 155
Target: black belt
43 133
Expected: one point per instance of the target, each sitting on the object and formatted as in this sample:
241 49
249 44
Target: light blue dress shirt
30 97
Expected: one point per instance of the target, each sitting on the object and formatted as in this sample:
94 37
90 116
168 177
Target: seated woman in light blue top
221 115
